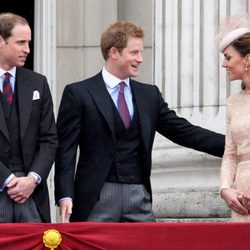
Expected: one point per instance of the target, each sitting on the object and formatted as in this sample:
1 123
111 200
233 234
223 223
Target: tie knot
7 91
7 75
122 86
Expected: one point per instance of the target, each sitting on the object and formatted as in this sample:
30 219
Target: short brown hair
8 21
242 44
117 35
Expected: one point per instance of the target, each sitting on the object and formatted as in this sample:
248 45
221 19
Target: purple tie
122 106
7 91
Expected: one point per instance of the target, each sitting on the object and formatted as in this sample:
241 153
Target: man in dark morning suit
28 138
111 181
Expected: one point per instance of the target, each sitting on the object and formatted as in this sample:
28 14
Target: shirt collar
112 81
12 71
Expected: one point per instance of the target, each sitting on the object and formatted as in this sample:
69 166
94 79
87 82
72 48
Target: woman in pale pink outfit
235 168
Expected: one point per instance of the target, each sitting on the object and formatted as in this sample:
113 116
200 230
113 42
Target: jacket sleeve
182 132
47 142
69 128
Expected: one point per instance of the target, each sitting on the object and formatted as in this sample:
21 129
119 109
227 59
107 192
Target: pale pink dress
234 173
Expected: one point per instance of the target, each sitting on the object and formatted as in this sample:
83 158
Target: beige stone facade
80 24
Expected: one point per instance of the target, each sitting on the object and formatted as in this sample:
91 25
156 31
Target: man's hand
21 188
233 199
66 209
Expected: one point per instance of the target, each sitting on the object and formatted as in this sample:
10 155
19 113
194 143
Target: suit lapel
103 101
3 125
143 111
24 92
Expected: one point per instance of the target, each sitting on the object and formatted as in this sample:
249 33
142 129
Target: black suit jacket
37 131
85 119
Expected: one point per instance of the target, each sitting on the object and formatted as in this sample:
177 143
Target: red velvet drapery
129 236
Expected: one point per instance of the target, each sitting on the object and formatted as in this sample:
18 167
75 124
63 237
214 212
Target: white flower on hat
234 28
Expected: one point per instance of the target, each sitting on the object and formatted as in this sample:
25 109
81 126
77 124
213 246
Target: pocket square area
36 95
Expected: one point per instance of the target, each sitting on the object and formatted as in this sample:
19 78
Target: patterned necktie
7 91
122 106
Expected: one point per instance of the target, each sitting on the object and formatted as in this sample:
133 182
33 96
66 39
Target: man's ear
1 41
113 52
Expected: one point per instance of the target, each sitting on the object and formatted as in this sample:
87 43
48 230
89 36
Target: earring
246 68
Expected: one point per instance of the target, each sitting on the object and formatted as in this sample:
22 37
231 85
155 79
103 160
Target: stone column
45 61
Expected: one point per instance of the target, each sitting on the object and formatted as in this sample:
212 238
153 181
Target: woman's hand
245 199
233 198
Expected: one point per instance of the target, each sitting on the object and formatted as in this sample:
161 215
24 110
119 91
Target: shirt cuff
65 198
6 182
36 176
